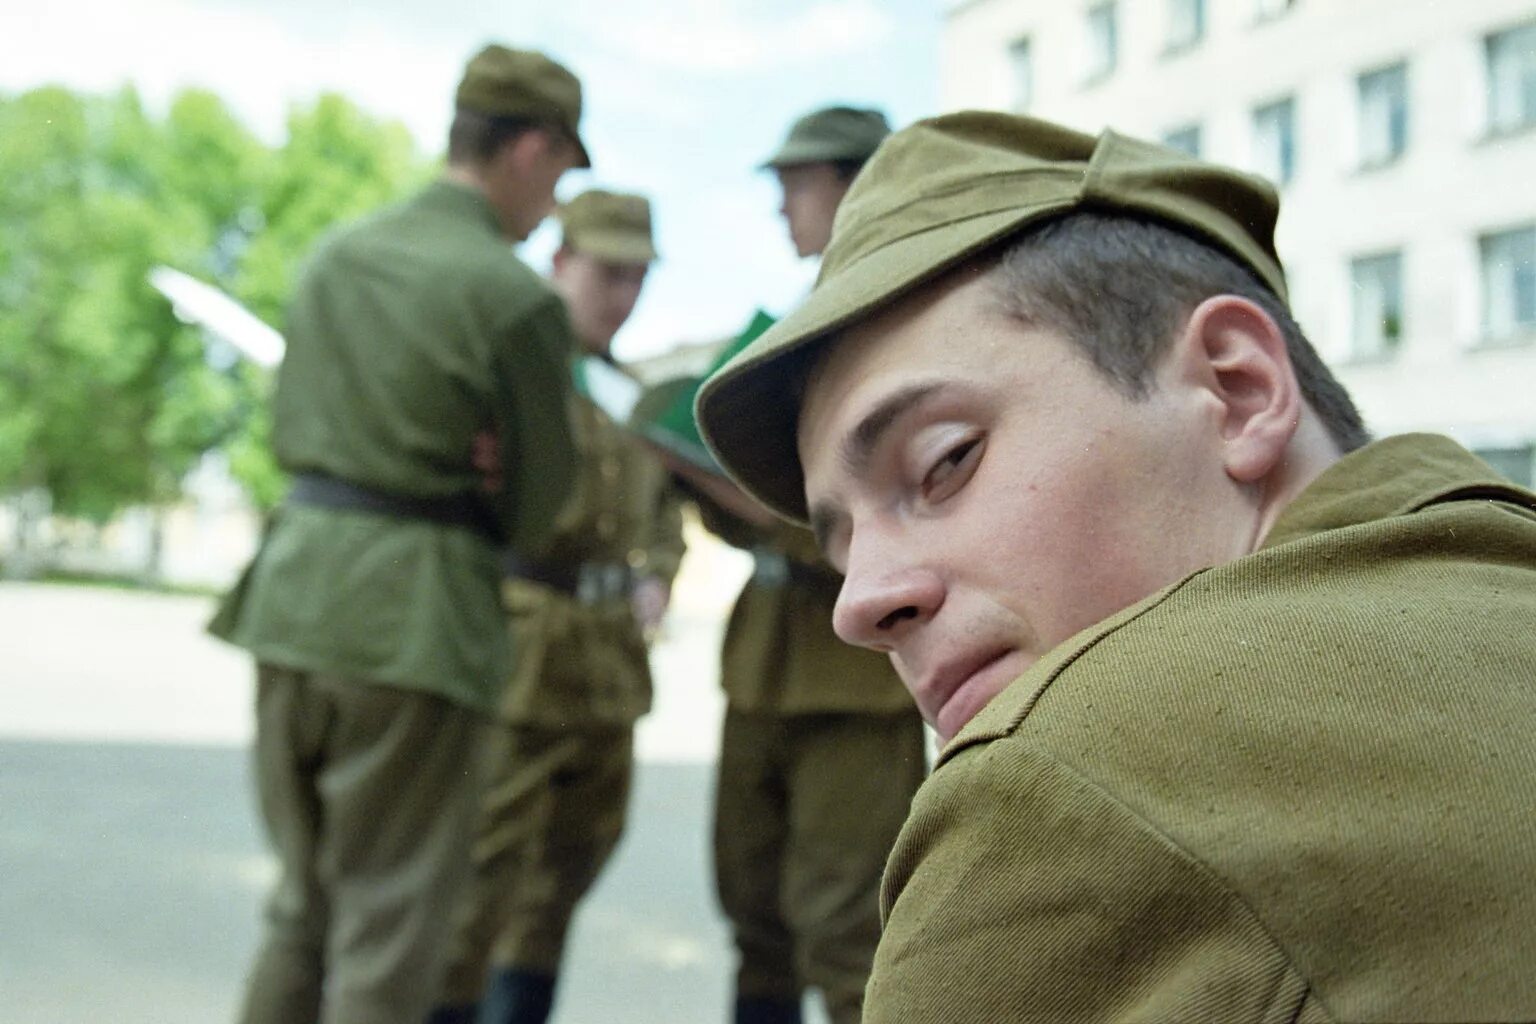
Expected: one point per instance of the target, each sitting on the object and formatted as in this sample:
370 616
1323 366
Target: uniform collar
464 201
1391 477
1388 478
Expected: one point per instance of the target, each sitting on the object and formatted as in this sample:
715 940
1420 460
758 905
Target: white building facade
1402 134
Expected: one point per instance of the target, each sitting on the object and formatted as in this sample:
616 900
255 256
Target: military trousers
369 794
552 814
807 808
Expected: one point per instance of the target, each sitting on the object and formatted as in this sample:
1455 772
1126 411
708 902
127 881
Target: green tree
109 398
106 400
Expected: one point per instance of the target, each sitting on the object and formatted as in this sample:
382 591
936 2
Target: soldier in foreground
821 749
579 614
373 607
1238 704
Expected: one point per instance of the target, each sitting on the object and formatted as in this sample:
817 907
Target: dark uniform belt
587 582
466 511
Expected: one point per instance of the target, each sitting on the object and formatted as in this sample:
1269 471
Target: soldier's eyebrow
858 447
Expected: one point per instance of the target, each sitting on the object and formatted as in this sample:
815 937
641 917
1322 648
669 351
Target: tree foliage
106 400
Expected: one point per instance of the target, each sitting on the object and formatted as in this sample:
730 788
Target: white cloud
715 37
620 86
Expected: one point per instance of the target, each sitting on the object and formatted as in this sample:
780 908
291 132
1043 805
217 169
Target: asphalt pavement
134 876
132 860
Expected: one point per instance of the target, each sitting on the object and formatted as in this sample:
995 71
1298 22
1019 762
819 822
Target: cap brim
800 155
746 414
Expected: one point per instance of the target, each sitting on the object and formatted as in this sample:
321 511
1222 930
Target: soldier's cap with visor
503 82
612 226
940 192
829 135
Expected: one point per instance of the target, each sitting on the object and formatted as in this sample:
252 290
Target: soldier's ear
1233 353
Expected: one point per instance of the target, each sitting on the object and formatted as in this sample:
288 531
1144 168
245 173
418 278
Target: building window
1515 464
1509 282
1383 115
1021 67
1264 10
1377 289
1274 140
1103 42
1511 57
1185 140
1186 24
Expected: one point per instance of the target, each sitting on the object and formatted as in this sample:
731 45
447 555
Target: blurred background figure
580 611
373 607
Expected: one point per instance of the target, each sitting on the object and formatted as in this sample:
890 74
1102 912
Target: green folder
664 414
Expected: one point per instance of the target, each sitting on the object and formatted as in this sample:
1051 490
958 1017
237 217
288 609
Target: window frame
1175 45
1093 73
1500 456
1289 160
1403 107
1526 120
1387 345
1517 331
1021 44
1194 128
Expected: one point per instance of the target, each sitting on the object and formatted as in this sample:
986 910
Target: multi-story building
1402 135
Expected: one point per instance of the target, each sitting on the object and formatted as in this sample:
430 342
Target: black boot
767 1010
516 996
454 1014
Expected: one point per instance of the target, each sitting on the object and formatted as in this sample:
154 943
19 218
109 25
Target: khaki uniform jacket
780 653
581 659
1296 787
409 333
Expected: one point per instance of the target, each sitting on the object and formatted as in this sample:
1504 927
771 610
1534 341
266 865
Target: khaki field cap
834 133
610 226
504 82
936 193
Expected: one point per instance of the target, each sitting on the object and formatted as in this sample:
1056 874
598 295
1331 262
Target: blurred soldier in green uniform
579 616
415 340
822 748
1238 703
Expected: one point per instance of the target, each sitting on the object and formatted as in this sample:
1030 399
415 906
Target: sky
684 98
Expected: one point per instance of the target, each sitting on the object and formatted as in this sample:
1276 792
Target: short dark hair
848 169
474 138
1119 286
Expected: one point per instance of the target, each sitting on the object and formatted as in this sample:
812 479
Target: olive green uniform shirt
408 334
1295 787
780 653
581 659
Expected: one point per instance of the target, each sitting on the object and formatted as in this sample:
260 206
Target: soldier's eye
952 470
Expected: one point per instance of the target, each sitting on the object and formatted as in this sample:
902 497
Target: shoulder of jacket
1192 628
1007 711
497 280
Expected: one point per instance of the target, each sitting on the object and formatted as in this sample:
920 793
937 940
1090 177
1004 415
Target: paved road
133 877
131 862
